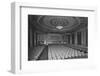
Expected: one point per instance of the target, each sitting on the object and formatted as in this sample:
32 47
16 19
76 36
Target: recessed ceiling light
59 27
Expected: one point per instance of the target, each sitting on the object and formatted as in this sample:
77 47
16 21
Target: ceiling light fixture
59 27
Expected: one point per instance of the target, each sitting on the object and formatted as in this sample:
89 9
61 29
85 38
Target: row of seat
79 47
62 52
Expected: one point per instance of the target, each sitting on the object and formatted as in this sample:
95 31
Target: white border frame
16 62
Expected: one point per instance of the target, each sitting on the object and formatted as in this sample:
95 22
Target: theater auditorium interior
52 37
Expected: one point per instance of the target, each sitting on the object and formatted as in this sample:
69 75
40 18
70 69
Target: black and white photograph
52 37
47 38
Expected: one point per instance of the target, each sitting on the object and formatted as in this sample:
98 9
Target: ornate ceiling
57 23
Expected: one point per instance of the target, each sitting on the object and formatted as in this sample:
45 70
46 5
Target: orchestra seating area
57 51
64 52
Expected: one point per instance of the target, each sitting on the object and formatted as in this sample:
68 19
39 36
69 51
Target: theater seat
63 52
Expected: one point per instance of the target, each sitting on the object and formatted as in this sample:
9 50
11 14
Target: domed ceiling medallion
56 23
